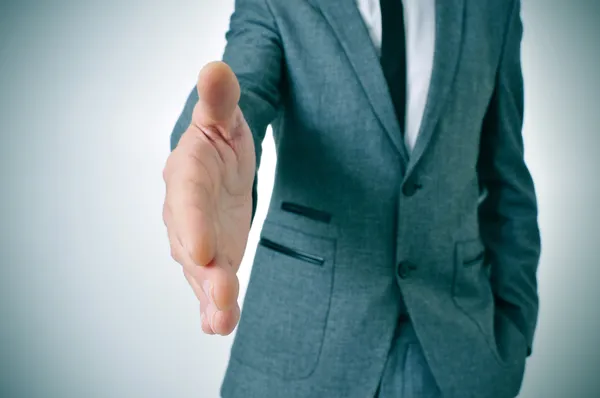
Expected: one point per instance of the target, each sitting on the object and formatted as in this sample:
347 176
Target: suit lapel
448 40
344 18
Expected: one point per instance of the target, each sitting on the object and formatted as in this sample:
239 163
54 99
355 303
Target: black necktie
393 55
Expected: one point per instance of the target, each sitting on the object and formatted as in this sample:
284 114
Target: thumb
218 97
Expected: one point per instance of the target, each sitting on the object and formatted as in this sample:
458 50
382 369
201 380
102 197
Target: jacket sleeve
508 215
255 55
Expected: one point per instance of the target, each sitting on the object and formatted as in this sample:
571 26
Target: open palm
208 203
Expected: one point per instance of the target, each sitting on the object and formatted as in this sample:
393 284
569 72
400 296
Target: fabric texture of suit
358 228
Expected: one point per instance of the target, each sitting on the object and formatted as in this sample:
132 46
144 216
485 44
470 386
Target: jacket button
410 188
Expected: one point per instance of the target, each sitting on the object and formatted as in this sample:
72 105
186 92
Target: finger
224 322
203 300
206 328
174 243
190 268
166 214
197 289
217 289
218 278
225 283
219 283
193 222
219 94
208 310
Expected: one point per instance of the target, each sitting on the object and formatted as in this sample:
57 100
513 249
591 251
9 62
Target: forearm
508 215
513 245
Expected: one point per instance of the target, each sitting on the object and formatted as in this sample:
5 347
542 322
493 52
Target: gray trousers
406 373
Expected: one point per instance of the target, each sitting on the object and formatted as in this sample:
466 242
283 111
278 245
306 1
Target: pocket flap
299 241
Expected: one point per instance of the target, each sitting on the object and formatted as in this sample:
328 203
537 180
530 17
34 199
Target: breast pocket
285 310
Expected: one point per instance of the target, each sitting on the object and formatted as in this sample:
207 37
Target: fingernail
206 288
203 319
212 321
209 290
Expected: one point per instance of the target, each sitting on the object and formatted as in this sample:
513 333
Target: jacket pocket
472 289
472 293
287 301
288 251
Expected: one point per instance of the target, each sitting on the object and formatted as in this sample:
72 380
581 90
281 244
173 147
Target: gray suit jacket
357 228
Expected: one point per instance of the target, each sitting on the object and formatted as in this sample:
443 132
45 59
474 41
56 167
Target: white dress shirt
419 22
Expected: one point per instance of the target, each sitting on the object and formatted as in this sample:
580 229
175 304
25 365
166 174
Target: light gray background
91 305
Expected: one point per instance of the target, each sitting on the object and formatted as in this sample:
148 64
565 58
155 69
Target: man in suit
399 254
